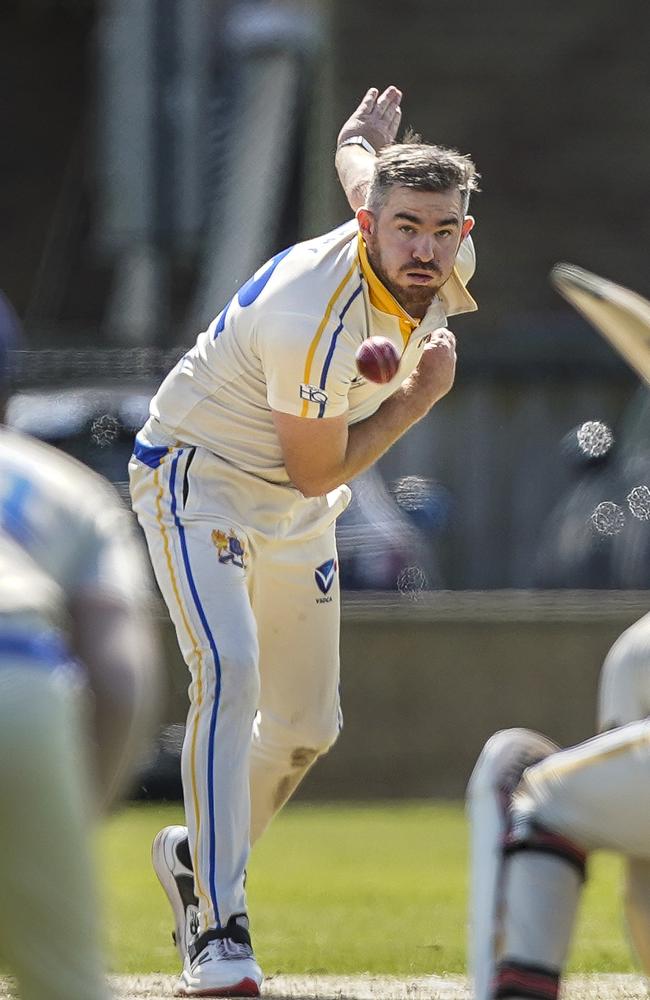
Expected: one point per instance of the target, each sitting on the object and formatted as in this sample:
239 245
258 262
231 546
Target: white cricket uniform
588 797
247 565
624 684
596 793
63 532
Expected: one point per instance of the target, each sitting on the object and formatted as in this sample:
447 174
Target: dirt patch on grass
604 987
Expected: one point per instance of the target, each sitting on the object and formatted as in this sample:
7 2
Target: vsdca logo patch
229 548
324 575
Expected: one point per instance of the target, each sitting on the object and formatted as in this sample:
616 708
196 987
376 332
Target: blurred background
155 152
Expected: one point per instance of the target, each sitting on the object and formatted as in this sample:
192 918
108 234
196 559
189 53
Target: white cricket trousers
598 795
249 574
48 902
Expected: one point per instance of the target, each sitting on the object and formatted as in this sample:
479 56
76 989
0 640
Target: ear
366 220
468 225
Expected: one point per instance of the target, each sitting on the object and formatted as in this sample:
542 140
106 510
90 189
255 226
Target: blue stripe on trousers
217 695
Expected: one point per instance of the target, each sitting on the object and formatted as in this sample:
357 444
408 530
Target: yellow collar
382 299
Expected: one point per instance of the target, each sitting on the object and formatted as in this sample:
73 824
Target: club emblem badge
324 575
229 548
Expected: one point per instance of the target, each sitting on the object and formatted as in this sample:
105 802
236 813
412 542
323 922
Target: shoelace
226 948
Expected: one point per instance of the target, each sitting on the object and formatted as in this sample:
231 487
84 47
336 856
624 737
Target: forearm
118 648
320 455
368 440
372 438
376 121
354 166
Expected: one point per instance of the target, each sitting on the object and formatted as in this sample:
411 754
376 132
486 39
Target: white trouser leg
493 781
48 903
595 793
206 591
637 908
590 796
542 893
298 623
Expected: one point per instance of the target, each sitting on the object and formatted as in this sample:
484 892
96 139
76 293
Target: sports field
341 889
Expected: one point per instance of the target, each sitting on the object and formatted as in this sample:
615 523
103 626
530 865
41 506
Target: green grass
341 889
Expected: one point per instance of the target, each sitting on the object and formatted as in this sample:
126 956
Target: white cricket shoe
220 963
171 862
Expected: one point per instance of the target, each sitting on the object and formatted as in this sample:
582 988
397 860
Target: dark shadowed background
154 153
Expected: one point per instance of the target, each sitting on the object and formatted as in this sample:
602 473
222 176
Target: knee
232 677
503 760
624 694
526 833
313 741
297 743
240 682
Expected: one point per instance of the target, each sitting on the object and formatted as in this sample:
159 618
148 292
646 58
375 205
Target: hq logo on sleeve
313 393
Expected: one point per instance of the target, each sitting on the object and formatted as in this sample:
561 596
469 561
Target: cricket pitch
596 987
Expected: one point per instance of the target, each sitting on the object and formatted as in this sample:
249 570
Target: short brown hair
422 167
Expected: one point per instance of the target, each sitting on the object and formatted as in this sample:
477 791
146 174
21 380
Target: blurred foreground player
238 478
77 694
529 851
535 810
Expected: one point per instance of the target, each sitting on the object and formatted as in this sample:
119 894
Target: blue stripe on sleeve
47 647
330 353
13 515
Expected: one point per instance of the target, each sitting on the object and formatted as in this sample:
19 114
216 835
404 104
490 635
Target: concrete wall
550 106
425 682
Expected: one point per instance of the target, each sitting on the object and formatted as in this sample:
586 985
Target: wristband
358 140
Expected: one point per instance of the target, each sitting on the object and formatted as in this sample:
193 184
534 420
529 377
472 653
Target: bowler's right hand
436 369
377 118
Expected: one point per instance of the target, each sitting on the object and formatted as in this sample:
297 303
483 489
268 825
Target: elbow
357 196
312 485
315 465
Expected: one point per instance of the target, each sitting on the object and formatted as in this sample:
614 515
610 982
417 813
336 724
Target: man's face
413 241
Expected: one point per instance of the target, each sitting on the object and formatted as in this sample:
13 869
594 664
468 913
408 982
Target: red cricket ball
377 359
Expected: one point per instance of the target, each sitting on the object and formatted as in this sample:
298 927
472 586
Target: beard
414 299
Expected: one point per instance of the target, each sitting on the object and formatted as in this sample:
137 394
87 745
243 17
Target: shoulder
315 270
66 480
